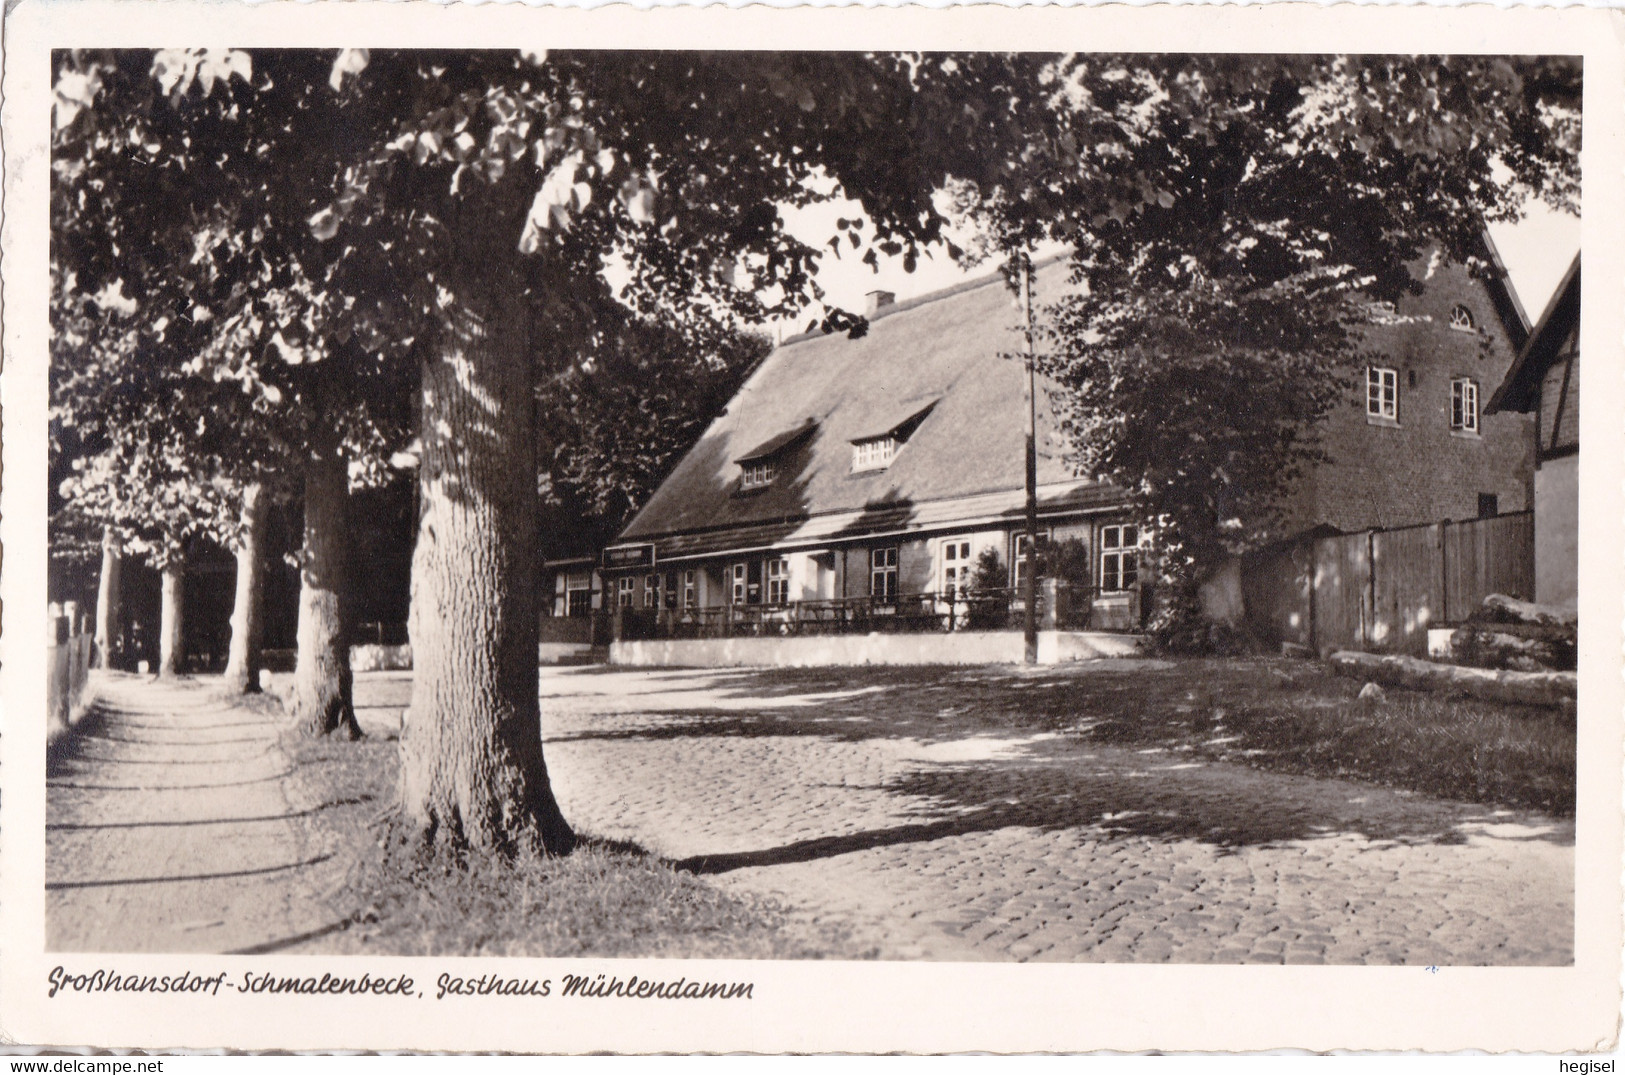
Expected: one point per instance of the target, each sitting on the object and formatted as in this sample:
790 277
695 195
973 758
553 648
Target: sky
1537 251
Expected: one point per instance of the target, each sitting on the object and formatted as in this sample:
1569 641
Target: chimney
878 300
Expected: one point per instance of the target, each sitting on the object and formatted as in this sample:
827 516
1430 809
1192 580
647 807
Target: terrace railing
914 613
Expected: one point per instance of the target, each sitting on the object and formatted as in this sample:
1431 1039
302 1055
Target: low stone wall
375 658
808 651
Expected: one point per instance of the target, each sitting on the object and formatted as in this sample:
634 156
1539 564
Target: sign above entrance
629 556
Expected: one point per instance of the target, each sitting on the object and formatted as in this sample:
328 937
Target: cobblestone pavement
1045 847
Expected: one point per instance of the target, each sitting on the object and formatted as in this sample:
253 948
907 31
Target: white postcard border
813 1006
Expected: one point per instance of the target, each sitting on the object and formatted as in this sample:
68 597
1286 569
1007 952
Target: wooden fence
1382 589
67 664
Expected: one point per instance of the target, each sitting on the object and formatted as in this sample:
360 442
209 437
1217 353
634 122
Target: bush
988 599
1177 625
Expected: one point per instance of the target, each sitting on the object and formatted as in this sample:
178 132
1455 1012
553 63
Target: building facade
1544 384
1415 442
851 480
875 481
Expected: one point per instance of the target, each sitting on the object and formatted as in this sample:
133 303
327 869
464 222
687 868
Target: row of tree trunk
322 700
472 773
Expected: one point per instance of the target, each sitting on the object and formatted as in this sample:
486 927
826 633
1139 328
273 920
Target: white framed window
874 454
651 591
883 572
1461 318
756 475
1119 558
1018 558
690 590
778 582
956 568
739 580
1464 405
625 591
1382 393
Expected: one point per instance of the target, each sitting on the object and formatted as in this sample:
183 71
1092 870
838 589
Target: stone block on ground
1508 633
1512 610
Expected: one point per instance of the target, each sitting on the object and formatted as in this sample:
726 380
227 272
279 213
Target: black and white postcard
811 529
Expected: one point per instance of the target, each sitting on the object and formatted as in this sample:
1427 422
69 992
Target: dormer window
757 475
1461 319
876 451
761 465
874 454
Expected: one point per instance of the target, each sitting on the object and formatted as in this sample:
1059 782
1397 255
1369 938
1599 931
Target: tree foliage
1235 223
612 426
330 234
456 213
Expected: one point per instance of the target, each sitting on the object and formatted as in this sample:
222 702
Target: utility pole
1029 593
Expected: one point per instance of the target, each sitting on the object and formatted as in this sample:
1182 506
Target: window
1020 560
1382 393
956 568
624 590
1461 319
578 602
736 592
883 572
651 591
670 580
1489 505
874 454
778 582
758 475
690 594
1119 558
1464 405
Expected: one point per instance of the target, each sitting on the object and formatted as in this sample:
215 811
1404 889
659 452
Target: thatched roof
943 371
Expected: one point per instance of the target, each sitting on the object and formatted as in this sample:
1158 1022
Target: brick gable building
1414 444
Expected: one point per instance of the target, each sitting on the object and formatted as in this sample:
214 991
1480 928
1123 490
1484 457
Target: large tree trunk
107 599
243 660
321 684
472 774
169 621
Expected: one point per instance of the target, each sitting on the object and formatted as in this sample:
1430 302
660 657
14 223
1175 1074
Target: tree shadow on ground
1109 798
903 701
60 755
1289 717
726 724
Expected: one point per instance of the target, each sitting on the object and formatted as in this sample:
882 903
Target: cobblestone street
1044 847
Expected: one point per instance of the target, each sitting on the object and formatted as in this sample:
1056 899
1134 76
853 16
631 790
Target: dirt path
172 826
966 846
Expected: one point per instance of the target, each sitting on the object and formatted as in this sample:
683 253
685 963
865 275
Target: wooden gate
1406 588
1488 556
1342 586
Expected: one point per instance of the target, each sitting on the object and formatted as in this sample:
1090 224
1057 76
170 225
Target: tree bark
107 599
321 688
472 772
243 659
171 610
